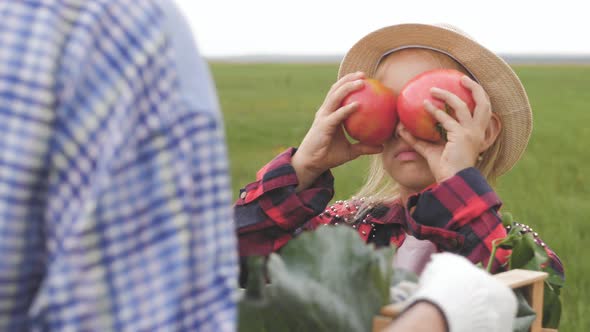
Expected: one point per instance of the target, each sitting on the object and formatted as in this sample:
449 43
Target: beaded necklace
356 212
359 211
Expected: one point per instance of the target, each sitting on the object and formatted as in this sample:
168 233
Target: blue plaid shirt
115 203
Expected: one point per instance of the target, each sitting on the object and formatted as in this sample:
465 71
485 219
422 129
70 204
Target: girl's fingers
456 103
346 78
446 120
483 108
359 149
335 98
420 146
338 116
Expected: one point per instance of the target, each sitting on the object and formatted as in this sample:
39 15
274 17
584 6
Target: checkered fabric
115 202
458 215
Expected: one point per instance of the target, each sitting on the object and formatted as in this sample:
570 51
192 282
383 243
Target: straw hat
507 95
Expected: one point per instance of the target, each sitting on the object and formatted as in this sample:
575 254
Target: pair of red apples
379 110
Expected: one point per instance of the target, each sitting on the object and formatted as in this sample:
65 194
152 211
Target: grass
268 107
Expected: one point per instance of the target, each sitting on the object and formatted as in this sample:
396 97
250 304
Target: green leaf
507 219
403 275
326 280
551 307
255 286
525 314
554 278
510 240
527 254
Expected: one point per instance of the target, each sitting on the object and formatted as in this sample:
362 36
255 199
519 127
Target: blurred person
115 198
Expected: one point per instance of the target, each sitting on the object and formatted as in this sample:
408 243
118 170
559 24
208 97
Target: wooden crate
530 281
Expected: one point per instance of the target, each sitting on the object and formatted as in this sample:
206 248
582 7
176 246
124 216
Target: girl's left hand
465 135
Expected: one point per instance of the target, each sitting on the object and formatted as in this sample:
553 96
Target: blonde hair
379 187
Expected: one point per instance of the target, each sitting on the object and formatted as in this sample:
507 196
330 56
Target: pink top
413 254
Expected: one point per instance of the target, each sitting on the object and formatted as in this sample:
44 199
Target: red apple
410 102
376 118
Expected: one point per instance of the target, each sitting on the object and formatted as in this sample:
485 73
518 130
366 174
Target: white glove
470 298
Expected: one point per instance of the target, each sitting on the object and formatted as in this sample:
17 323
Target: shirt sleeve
269 212
460 215
26 114
137 224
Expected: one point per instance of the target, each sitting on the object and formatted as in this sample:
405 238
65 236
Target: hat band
432 49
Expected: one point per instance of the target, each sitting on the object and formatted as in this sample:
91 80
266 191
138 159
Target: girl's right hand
325 145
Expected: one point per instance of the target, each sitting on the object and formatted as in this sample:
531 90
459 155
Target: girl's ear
492 132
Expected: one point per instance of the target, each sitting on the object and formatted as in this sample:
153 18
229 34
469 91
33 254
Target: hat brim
507 95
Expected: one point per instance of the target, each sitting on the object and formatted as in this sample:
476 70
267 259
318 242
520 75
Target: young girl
421 197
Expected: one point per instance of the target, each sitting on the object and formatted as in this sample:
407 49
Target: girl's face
408 168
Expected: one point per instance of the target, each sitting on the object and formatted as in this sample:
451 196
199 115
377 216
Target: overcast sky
330 27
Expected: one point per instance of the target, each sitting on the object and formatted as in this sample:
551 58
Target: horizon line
511 58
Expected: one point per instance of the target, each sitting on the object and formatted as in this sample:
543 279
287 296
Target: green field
268 107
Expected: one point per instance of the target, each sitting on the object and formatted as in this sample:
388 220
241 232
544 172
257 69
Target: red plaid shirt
459 215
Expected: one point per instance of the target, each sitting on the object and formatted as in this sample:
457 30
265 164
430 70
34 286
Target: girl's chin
413 182
410 174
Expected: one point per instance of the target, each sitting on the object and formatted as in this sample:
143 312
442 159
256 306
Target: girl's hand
466 136
325 145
